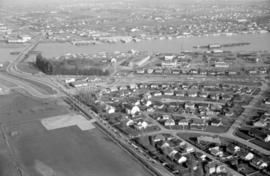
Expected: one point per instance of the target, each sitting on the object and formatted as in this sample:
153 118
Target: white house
141 125
183 122
267 139
169 122
148 103
110 109
135 110
156 94
182 159
130 122
169 57
249 156
113 60
189 149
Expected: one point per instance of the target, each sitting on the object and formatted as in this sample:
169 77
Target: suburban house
216 151
110 109
232 149
192 94
169 122
189 105
140 71
156 94
140 125
180 93
183 122
168 93
180 159
259 134
258 163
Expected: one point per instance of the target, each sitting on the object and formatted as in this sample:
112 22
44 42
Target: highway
26 80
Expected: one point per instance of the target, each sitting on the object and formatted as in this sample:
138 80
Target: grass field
17 108
67 151
71 152
28 67
41 87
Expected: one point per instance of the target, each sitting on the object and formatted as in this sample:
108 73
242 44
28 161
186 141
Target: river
258 42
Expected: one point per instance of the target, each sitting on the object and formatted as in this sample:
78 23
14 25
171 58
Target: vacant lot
68 151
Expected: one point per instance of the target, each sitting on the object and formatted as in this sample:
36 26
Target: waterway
258 42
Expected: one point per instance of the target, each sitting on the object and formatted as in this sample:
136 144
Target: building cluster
197 111
140 22
239 157
179 157
12 37
206 64
256 127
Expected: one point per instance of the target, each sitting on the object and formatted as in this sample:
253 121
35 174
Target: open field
67 151
28 67
6 165
17 108
70 152
43 88
5 50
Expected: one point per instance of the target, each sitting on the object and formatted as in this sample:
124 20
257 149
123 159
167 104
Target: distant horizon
48 2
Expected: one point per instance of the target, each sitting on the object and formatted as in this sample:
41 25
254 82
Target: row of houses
254 162
190 87
193 94
263 135
234 154
263 120
179 152
209 72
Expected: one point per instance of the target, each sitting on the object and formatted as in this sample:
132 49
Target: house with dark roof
259 163
232 149
245 169
263 136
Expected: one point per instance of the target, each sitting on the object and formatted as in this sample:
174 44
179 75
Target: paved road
25 80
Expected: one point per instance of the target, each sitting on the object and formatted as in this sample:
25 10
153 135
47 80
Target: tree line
66 67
